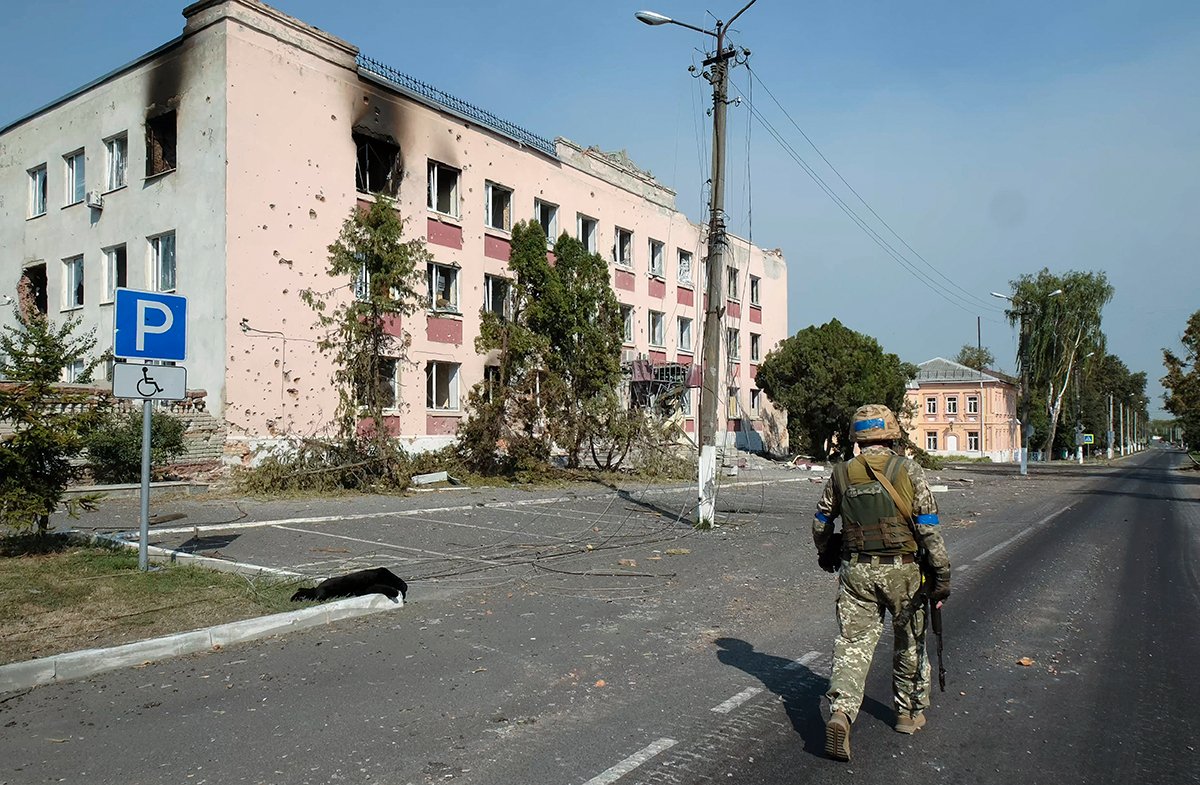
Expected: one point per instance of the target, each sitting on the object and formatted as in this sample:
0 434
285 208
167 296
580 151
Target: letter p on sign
149 326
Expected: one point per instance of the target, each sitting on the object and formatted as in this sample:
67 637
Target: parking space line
632 762
807 659
736 700
394 547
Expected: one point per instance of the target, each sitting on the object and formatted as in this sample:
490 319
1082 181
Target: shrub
115 446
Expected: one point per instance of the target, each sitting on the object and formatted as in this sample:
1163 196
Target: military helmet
874 423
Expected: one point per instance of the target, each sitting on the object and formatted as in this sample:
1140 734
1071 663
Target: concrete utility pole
714 267
1110 428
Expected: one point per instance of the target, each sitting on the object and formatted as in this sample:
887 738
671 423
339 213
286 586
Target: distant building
963 412
221 165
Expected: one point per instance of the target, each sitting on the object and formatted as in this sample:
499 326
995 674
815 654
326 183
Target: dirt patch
87 597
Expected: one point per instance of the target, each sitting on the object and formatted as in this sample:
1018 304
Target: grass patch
56 598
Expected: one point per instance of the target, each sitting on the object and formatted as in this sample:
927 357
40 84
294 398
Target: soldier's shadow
801 689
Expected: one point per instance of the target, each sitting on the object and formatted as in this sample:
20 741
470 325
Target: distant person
889 516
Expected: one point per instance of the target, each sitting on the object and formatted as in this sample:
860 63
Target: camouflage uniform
867 589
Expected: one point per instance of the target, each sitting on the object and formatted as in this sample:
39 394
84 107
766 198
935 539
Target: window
952 404
627 322
755 402
75 177
116 151
972 404
972 440
685 334
931 440
656 258
491 380
685 401
656 329
497 206
623 247
37 191
385 381
160 144
108 367
733 338
376 165
755 347
116 271
162 262
732 277
547 216
75 372
497 296
441 386
732 410
72 282
443 287
587 232
443 189
685 266
931 405
755 282
362 280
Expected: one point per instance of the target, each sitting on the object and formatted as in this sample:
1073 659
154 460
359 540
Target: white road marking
807 659
736 700
631 763
1022 533
395 547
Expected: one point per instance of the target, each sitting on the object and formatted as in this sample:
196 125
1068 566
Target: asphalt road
663 655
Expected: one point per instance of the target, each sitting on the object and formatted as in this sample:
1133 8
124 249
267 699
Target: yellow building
958 411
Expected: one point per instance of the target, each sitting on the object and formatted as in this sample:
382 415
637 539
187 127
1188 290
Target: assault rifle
921 600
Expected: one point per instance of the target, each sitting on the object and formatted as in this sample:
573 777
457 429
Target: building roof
941 370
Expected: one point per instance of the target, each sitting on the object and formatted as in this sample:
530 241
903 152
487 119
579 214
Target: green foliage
49 421
385 272
822 374
977 357
114 446
558 356
1059 317
1182 381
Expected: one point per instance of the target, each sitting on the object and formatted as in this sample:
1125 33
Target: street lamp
1026 428
1079 413
718 76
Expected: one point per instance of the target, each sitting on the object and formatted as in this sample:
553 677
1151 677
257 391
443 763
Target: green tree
114 445
49 420
1059 316
977 357
822 374
1182 381
385 272
1104 377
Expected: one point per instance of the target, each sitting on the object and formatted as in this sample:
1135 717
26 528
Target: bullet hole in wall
312 213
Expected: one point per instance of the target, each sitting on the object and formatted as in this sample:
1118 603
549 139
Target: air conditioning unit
628 355
95 200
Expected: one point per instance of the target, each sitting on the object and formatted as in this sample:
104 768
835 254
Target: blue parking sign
149 325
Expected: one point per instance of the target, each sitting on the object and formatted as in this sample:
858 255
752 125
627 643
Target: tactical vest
871 523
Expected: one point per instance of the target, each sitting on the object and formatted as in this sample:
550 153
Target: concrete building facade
222 165
959 411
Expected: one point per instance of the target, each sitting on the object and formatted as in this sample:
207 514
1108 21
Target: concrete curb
157 555
89 662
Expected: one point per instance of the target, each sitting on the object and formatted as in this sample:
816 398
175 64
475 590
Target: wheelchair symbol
146 386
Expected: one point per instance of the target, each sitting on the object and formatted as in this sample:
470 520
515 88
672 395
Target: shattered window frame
755 287
655 329
732 404
116 159
657 250
440 195
627 323
546 214
162 142
73 281
755 402
163 261
623 247
755 346
496 195
37 191
116 271
441 386
498 285
386 164
733 337
586 228
684 273
442 279
731 279
75 172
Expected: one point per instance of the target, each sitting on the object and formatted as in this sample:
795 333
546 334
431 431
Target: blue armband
928 520
823 518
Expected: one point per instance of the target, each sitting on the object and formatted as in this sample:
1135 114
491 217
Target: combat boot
910 723
837 736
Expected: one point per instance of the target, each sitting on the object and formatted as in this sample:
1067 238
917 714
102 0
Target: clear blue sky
993 138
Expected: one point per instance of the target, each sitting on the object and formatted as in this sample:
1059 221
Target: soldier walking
889 516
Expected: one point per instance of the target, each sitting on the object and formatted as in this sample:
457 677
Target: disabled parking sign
149 325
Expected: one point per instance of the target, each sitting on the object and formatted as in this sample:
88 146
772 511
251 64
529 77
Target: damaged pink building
221 165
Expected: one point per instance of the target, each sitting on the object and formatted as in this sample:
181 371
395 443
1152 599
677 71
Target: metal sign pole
144 536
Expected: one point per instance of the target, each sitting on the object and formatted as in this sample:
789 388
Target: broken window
377 165
685 334
755 402
491 380
732 340
31 290
732 405
623 247
587 232
685 401
116 150
755 282
385 383
685 266
443 189
37 191
547 216
443 287
498 206
160 143
75 182
732 277
72 283
441 385
627 323
162 262
755 346
656 258
497 296
116 271
656 329
362 280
